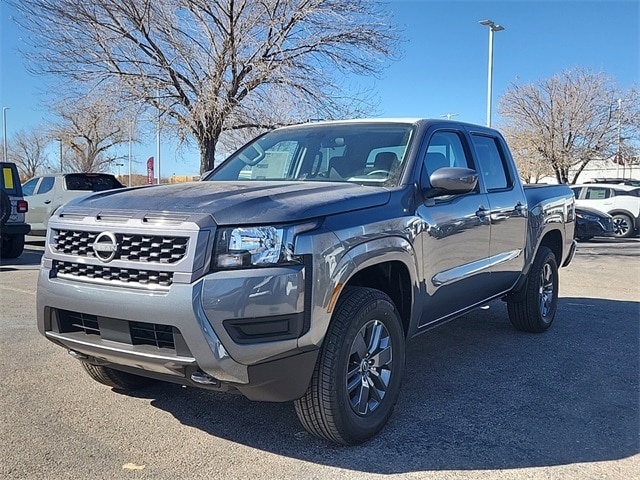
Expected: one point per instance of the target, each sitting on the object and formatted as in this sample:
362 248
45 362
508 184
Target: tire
362 358
5 207
622 226
12 246
117 379
537 308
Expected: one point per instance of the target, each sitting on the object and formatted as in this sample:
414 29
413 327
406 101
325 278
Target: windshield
368 154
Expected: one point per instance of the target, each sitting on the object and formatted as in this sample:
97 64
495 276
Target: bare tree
570 119
89 129
210 66
28 151
531 165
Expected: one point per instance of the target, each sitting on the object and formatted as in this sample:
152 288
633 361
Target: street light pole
130 141
61 166
492 28
4 132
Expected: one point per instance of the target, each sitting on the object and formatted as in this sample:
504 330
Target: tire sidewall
627 219
5 207
362 428
546 258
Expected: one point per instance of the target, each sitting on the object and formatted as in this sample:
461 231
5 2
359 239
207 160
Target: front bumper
239 328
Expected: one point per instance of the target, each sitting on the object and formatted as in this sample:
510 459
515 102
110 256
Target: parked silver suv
49 192
12 212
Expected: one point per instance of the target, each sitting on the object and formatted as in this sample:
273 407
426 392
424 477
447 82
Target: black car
592 223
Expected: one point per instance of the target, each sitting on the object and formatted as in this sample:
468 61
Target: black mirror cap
451 181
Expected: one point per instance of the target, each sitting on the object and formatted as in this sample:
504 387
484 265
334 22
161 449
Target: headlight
256 246
589 218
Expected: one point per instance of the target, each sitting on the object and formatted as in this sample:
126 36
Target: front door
456 237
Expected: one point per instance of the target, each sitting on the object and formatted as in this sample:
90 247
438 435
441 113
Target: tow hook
77 355
204 379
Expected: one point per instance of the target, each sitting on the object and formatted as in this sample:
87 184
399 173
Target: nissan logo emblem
105 246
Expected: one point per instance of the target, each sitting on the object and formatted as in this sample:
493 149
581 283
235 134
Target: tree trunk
207 143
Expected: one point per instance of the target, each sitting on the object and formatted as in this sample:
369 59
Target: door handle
520 208
47 202
482 211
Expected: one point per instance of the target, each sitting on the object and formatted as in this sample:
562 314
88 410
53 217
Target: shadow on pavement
28 258
476 395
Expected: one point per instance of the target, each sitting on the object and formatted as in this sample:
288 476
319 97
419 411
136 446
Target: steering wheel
374 172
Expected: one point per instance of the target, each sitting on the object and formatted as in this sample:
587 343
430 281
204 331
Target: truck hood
241 203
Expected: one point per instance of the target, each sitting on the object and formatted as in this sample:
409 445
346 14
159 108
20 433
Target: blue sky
443 66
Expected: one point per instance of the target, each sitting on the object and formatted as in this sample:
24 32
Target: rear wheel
536 308
356 381
116 378
622 225
5 207
12 246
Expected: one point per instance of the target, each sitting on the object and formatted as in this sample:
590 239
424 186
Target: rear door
507 210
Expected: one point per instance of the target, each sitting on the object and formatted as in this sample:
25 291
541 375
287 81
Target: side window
576 191
492 163
45 185
597 193
444 150
29 187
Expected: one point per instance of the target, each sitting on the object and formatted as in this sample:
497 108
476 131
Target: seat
385 161
341 167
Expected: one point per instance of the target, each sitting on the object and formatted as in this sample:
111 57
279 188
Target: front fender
356 259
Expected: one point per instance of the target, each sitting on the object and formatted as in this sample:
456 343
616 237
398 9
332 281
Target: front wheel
115 378
535 310
356 381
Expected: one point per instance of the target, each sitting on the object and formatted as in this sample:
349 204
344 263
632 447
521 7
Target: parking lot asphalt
479 400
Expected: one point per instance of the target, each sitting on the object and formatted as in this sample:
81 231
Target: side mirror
451 181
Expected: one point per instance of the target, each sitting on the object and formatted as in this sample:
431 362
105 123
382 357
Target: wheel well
393 279
635 222
553 240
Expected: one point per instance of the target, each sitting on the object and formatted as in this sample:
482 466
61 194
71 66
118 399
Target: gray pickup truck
298 268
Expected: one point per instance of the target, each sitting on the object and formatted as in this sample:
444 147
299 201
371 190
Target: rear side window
91 182
629 193
45 185
493 166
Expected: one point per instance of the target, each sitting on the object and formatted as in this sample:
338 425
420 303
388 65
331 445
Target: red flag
150 171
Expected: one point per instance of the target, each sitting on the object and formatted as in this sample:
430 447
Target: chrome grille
114 274
131 247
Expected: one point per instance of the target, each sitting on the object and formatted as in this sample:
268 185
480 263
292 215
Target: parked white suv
49 192
622 202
